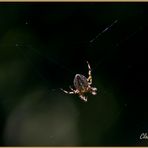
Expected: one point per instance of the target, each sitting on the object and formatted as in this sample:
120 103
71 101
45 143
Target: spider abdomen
80 82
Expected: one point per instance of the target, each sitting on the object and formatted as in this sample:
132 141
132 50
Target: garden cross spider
82 85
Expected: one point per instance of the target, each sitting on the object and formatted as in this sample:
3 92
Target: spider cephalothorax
82 85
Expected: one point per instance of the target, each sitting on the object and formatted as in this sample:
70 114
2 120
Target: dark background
43 46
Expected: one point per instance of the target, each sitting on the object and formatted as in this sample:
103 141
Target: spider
82 85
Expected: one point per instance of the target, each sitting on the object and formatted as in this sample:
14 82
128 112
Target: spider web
27 50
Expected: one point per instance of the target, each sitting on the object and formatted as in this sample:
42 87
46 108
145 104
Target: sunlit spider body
82 85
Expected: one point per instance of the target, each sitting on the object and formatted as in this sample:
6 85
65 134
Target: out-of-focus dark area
43 46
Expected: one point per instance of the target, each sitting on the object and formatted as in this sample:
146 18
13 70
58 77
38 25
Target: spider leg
75 91
94 91
89 74
71 89
83 98
68 92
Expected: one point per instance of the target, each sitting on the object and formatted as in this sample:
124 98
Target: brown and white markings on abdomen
80 82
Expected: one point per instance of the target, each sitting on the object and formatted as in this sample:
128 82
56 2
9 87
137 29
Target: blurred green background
43 46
